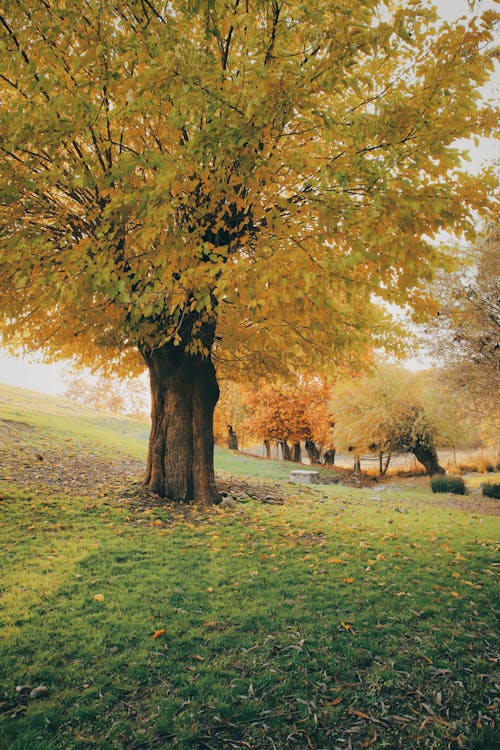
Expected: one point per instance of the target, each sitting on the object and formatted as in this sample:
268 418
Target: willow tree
194 179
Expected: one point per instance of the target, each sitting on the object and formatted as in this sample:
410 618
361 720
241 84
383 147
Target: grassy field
341 618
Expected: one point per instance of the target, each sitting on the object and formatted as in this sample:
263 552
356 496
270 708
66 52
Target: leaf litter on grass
323 620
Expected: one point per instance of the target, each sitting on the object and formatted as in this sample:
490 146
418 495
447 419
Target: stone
38 691
300 476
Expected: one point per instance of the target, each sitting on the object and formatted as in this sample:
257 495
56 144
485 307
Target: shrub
442 483
491 489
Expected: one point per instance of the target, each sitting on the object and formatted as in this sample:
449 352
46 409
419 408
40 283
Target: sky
30 372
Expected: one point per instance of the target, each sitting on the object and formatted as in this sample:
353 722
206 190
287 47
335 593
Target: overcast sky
26 372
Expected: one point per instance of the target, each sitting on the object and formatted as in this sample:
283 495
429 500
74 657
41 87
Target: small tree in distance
392 410
290 414
103 393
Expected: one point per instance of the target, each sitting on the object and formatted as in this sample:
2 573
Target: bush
442 483
490 489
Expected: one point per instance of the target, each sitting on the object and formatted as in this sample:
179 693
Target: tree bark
427 456
383 466
296 453
267 446
232 438
285 450
312 451
329 457
184 393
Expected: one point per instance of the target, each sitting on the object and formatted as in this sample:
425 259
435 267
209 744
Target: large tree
200 178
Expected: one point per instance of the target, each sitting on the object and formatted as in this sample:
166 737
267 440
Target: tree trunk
312 451
184 393
296 453
232 439
285 450
357 463
267 446
427 456
384 467
329 457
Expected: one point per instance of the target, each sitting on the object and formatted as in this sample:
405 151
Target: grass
342 618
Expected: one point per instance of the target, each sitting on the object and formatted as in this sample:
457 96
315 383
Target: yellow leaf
349 580
336 561
99 597
335 702
157 633
347 626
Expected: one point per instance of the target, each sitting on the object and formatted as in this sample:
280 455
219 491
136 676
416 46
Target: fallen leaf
347 626
99 597
335 702
348 580
157 633
335 561
355 712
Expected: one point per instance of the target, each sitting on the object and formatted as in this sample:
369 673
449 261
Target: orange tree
290 413
206 179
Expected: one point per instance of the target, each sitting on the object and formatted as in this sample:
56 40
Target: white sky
30 372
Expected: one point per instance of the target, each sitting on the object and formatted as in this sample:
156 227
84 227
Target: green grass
343 615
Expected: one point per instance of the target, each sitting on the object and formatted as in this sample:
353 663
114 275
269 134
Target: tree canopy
271 163
464 335
393 410
227 179
290 412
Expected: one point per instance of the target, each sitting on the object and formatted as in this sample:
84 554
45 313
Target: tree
392 410
231 411
108 394
291 413
207 181
464 335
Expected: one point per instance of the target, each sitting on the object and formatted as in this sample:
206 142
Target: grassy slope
343 616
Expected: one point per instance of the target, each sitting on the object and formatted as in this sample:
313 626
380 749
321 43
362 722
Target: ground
296 618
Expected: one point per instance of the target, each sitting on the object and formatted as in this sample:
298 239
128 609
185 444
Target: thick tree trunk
184 393
329 457
267 446
312 451
285 450
296 453
427 456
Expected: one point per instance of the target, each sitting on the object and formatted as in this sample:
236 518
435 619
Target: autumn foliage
291 413
189 183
